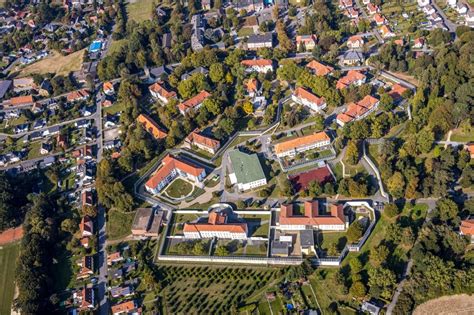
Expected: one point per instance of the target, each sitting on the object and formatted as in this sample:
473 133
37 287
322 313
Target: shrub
391 210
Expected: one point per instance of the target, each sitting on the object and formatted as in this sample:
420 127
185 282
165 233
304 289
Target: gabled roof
86 225
355 38
351 77
319 68
467 227
256 62
305 39
217 221
77 95
301 142
170 163
252 85
305 94
21 100
157 88
194 101
311 215
355 110
124 307
196 137
151 126
397 91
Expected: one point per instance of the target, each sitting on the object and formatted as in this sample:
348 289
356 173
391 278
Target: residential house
301 144
113 258
352 13
251 86
372 8
355 42
45 148
357 111
86 265
307 42
152 127
4 87
467 228
21 128
158 91
201 70
397 91
108 88
312 219
217 225
429 9
20 101
172 167
128 307
257 41
352 77
23 84
147 222
83 123
86 227
319 69
79 95
202 142
418 43
379 19
39 124
344 4
351 58
45 88
121 291
160 72
247 172
194 103
308 99
257 65
370 308
87 301
386 32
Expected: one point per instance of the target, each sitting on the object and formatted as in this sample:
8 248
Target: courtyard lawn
119 224
245 31
325 239
179 219
140 10
8 256
179 188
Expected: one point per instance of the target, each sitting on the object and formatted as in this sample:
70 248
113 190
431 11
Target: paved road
368 18
450 25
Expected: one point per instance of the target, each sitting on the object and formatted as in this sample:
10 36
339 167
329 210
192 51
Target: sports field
8 256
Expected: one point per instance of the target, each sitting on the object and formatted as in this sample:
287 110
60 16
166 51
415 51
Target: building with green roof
247 171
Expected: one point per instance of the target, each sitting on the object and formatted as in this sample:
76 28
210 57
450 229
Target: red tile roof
168 164
194 101
11 235
397 91
216 222
319 68
306 39
311 215
77 95
300 142
351 77
467 227
252 85
355 110
124 307
151 126
321 175
256 62
305 94
196 137
21 100
159 89
86 225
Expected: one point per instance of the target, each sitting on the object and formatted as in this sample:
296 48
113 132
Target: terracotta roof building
252 86
172 167
86 265
216 226
194 102
114 258
386 32
359 110
319 69
311 218
158 91
79 95
87 299
467 228
397 91
301 144
20 100
202 142
306 98
352 77
307 41
129 307
152 127
86 227
257 65
108 88
355 42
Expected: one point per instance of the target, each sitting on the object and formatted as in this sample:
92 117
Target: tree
447 209
216 72
356 265
332 250
383 279
213 105
68 225
391 210
199 248
425 140
355 231
396 184
285 186
358 289
222 251
247 107
90 211
227 125
352 152
378 255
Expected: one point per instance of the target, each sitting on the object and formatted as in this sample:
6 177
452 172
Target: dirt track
462 304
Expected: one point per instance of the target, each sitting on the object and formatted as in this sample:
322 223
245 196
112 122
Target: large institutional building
172 167
216 226
301 144
247 171
311 219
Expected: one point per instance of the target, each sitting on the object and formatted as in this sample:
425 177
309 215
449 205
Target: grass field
140 10
461 136
179 188
8 255
116 46
119 224
56 63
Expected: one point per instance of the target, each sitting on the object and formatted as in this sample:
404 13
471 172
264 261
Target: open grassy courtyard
140 10
179 188
8 256
119 224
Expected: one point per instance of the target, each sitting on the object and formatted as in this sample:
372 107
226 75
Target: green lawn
8 256
140 10
179 188
115 108
460 136
117 45
325 239
179 219
245 31
34 150
119 224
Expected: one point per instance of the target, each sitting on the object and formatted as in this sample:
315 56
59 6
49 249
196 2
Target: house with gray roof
257 41
247 172
4 87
